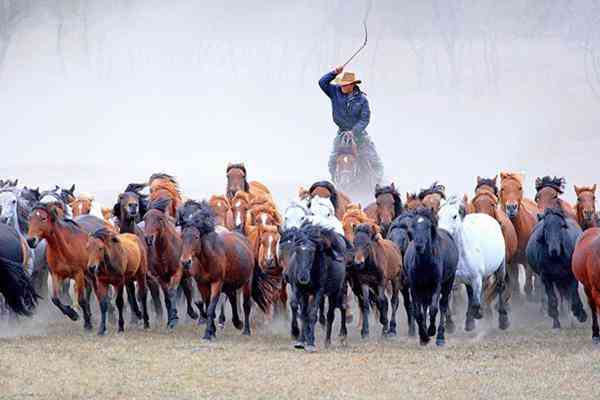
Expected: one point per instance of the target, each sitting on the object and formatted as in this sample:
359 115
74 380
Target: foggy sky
102 93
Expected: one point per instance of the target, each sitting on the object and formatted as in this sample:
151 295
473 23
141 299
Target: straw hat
347 78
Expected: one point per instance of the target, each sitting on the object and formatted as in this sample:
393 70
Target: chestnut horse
586 267
548 195
327 190
66 253
386 208
222 210
222 263
412 202
237 181
164 251
118 260
586 207
262 211
433 196
522 212
165 186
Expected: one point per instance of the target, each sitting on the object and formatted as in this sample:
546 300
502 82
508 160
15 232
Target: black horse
430 262
399 230
315 272
549 252
15 285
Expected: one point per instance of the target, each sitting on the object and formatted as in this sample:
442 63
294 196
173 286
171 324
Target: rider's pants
366 153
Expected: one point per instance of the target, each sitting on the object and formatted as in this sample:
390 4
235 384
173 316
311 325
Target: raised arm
325 83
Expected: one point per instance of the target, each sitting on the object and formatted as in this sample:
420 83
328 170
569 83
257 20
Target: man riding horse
351 113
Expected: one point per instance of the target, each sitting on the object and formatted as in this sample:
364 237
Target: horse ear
577 189
495 180
465 199
53 214
540 217
594 188
377 187
116 211
72 190
114 239
478 179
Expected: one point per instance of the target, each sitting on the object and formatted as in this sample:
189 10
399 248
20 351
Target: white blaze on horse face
421 220
269 253
345 159
263 219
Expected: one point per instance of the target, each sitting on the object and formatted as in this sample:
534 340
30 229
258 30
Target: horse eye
454 217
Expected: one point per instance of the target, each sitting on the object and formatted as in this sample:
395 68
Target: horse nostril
149 240
187 264
32 242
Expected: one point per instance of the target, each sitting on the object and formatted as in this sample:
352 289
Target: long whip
364 44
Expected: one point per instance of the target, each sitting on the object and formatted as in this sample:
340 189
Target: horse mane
245 196
333 196
136 188
517 176
161 204
216 198
102 233
239 166
435 188
582 189
200 215
491 182
556 183
558 211
400 220
390 189
315 233
357 213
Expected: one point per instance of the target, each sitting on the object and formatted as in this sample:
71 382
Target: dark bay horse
66 253
586 207
400 229
118 260
550 251
315 273
222 263
15 285
430 261
586 268
377 264
164 252
386 208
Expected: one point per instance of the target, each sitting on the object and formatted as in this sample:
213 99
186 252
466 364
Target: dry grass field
52 358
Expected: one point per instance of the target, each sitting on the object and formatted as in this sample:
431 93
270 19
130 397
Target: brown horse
118 260
432 196
412 201
548 195
386 208
586 207
326 190
352 218
586 267
222 263
522 212
262 215
164 251
377 264
81 206
66 253
237 181
240 204
165 186
222 209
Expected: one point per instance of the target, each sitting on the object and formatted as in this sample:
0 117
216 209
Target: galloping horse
432 196
15 285
377 264
222 210
412 201
548 195
14 211
118 260
550 251
386 208
399 231
164 250
237 181
240 204
482 255
586 207
430 261
66 253
586 268
522 212
327 190
165 186
222 263
352 219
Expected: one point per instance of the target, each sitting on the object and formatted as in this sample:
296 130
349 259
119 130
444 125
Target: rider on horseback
351 113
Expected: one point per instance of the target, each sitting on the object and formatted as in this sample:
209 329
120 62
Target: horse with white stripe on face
482 255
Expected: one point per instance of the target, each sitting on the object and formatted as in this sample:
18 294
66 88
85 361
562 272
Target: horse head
432 196
548 191
352 218
487 184
197 219
295 214
222 210
8 207
412 201
511 192
240 204
41 222
554 227
236 179
156 220
389 204
451 214
586 204
364 236
399 231
424 230
267 246
485 202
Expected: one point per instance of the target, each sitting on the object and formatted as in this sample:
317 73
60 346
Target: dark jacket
350 111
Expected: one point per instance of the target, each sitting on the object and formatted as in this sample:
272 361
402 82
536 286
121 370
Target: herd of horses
321 254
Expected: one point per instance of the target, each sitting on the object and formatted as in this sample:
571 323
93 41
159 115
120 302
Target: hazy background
104 92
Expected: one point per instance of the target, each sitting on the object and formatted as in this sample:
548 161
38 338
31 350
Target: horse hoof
469 325
201 320
299 345
246 332
207 337
392 334
193 315
477 313
556 325
221 325
432 331
172 324
503 322
322 320
582 317
343 340
146 325
102 332
364 335
72 314
310 349
121 330
424 341
88 326
596 340
238 325
440 342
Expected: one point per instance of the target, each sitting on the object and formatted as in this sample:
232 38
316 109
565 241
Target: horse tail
16 287
492 285
266 286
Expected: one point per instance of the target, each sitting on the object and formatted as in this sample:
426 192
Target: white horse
295 214
15 213
323 214
481 255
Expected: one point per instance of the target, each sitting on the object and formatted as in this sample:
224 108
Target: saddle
347 144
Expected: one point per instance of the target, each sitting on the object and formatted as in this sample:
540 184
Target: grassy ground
52 358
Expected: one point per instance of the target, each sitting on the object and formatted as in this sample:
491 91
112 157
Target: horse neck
167 242
63 240
127 225
114 258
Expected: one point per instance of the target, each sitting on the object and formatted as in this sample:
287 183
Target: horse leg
552 302
419 310
120 304
469 319
330 318
409 308
80 289
232 295
247 305
136 314
382 305
142 282
222 318
322 318
186 285
503 293
575 300
592 295
155 294
172 287
56 291
65 292
343 302
514 287
294 329
528 288
395 302
433 311
313 308
303 305
440 340
348 304
102 296
215 295
363 302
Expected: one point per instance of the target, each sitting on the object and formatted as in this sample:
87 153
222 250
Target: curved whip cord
368 11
